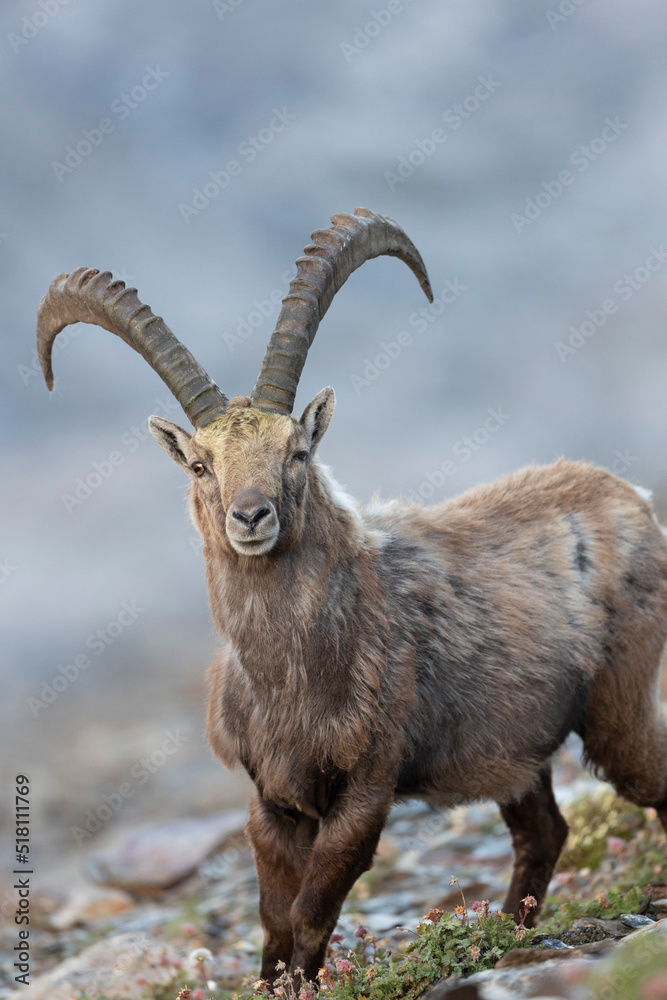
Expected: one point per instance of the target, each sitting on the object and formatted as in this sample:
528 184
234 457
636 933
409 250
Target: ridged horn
90 296
331 258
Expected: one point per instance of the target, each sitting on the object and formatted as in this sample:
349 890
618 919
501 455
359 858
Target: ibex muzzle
252 522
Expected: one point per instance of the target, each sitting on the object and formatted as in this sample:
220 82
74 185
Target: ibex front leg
342 851
281 843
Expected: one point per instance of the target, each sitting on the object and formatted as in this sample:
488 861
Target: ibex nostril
251 517
259 515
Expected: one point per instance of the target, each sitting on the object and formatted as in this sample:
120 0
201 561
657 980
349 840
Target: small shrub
593 819
453 944
558 916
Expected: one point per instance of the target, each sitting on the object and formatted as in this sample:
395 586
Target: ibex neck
269 602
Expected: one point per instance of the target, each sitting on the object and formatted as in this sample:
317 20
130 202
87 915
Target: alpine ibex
442 651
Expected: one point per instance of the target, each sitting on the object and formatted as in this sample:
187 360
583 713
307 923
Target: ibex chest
284 727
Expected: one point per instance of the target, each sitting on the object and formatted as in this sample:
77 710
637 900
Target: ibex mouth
254 546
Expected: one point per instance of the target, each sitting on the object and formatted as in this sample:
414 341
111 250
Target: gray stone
108 968
544 980
583 934
657 932
635 920
91 904
162 855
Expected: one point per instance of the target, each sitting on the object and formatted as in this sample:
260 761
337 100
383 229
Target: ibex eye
198 468
299 456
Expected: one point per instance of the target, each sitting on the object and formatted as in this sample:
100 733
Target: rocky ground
129 919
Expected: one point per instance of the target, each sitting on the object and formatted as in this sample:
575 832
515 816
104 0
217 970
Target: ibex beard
443 652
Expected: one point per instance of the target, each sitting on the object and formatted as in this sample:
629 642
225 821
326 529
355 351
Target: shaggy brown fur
444 652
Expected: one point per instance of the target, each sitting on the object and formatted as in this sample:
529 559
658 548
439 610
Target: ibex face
249 471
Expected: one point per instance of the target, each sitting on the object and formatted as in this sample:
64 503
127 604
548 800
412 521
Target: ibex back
444 651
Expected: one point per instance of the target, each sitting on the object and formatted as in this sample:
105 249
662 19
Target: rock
609 928
90 904
656 934
379 923
108 968
471 890
396 902
492 848
635 920
550 979
162 855
216 924
583 934
637 966
46 901
147 918
456 991
521 957
554 944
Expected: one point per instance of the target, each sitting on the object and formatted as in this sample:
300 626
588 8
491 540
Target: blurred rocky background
191 149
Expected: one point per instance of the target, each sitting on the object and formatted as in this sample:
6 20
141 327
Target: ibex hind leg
625 735
538 834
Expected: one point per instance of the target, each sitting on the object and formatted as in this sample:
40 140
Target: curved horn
90 296
331 258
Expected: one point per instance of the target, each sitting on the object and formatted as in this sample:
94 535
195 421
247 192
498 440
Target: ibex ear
317 415
175 441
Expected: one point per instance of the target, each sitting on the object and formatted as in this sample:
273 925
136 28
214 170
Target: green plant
559 915
594 819
453 944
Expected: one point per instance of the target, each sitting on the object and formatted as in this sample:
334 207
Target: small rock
398 902
610 928
657 932
108 968
90 904
46 901
554 943
379 923
163 855
635 920
583 934
492 848
660 906
147 918
521 957
445 990
471 890
216 924
531 981
518 958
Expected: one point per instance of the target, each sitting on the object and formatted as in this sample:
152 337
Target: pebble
554 943
89 905
164 854
583 934
635 920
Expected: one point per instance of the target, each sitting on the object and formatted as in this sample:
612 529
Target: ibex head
248 459
249 469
